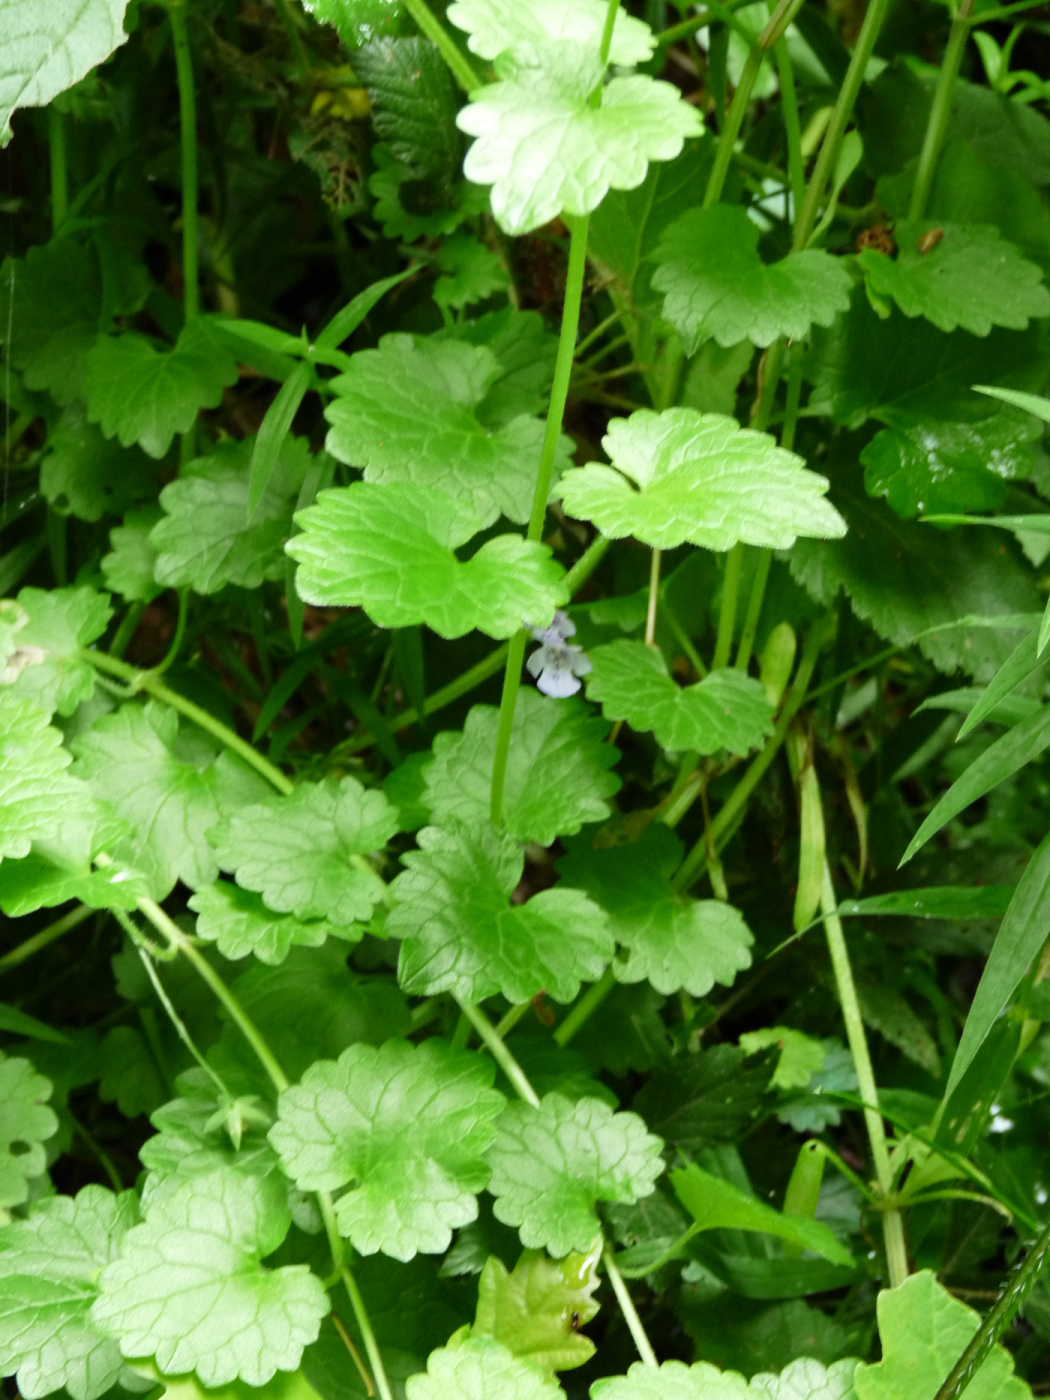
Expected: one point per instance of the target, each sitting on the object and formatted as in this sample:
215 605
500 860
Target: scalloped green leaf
682 476
481 1369
470 272
460 932
537 1309
804 1379
239 923
35 789
45 666
49 309
194 1135
493 26
86 475
391 550
26 1123
359 21
129 566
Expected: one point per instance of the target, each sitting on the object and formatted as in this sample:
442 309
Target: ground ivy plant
523 700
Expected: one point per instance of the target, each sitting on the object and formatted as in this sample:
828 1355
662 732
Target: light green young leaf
189 1288
49 311
304 853
45 666
924 1331
390 550
470 272
801 1057
725 710
717 287
537 1309
557 769
672 941
804 1379
168 785
358 21
1031 402
545 151
481 1369
193 1137
552 1164
205 539
407 414
35 790
59 866
49 1266
408 1125
461 933
493 26
285 1385
684 476
26 1123
85 475
239 923
129 566
142 395
971 279
48 48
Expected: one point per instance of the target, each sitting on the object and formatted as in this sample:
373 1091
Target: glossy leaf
537 1309
238 923
493 26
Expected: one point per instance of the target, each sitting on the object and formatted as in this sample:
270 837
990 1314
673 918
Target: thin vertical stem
180 1026
56 136
940 110
654 597
754 609
630 1312
506 1061
188 120
507 704
607 32
727 614
585 1008
368 1335
731 128
435 31
792 128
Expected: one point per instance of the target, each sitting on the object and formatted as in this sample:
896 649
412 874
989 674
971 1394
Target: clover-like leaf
189 1288
408 1126
26 1123
924 1331
805 1379
673 941
206 539
129 566
304 853
170 787
493 26
35 789
407 414
546 151
47 667
552 1164
725 710
684 476
49 1267
461 933
86 475
717 287
143 395
481 1369
557 774
238 923
49 309
390 550
536 1309
971 278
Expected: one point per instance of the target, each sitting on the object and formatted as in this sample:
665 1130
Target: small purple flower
557 664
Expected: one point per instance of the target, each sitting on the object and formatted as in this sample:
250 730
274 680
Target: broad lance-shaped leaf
238 923
681 476
304 853
26 1123
804 1379
672 941
35 789
552 1164
49 1267
48 48
461 934
407 414
924 1331
481 1369
391 550
408 1126
725 710
716 286
557 769
971 278
40 653
546 151
493 26
537 1309
189 1288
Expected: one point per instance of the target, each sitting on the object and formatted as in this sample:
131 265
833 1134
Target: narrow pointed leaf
1032 402
1017 668
273 430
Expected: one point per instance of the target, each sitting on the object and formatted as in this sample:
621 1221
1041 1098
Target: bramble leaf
239 923
494 26
673 941
408 1126
557 774
189 1289
413 101
971 278
46 665
49 310
407 414
26 1123
49 1266
304 853
481 1369
552 1164
35 789
85 475
139 394
805 1379
684 476
725 710
716 286
129 566
48 49
390 550
536 1309
461 933
546 151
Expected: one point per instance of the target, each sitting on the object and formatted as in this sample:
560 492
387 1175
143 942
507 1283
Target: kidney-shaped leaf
494 26
804 1379
481 1369
238 923
45 665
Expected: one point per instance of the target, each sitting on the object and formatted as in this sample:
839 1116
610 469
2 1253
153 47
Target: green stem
607 32
367 1334
506 1061
654 597
47 935
124 633
993 1326
180 1026
940 110
892 1222
180 632
727 613
731 128
436 32
511 1019
56 135
585 1008
792 128
508 702
754 609
147 681
630 1313
188 120
794 395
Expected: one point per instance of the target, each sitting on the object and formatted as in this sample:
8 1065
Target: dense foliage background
338 969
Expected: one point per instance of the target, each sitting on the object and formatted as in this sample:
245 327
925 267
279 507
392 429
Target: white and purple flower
557 664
